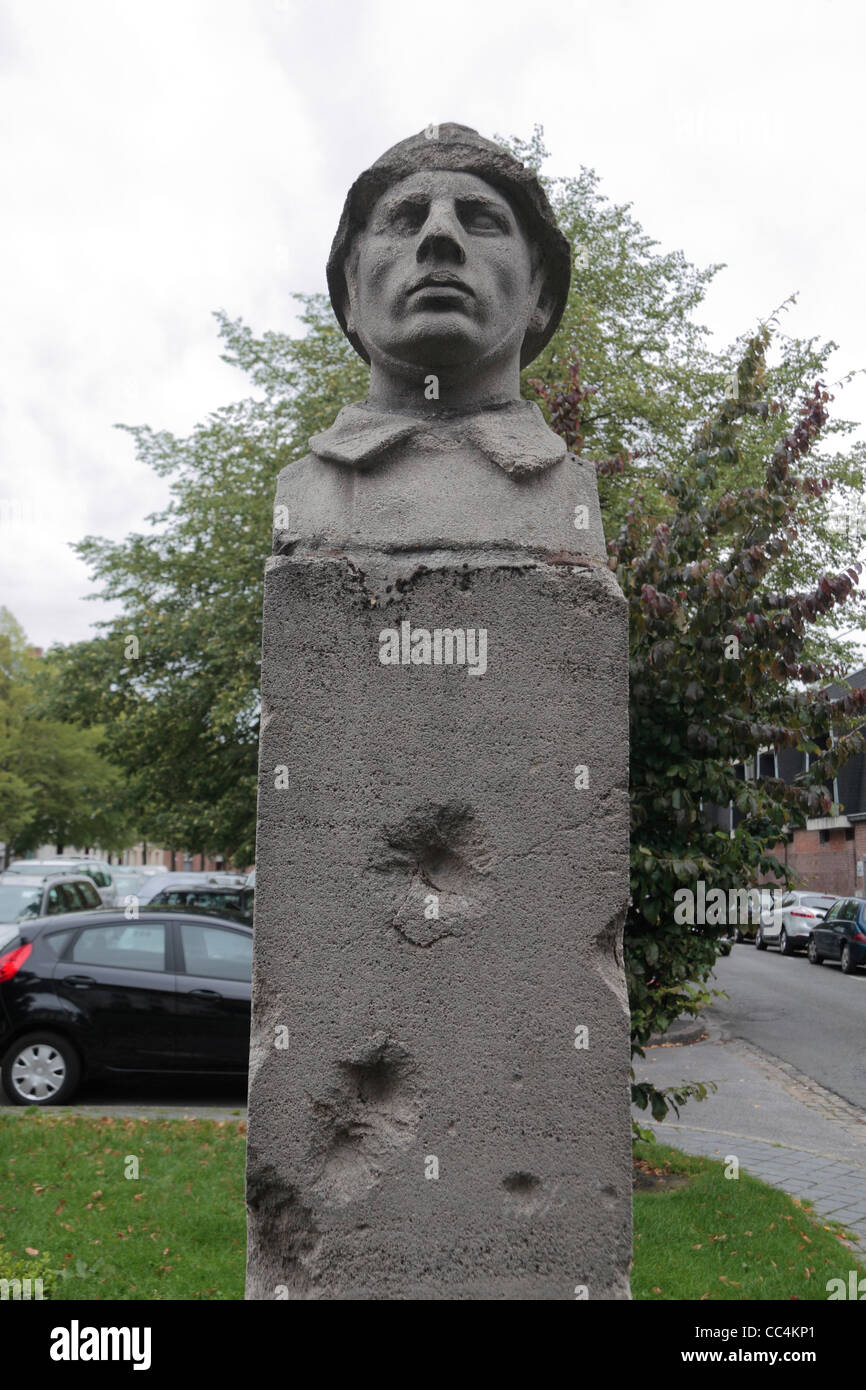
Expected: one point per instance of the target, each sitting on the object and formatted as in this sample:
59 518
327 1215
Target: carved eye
408 217
482 219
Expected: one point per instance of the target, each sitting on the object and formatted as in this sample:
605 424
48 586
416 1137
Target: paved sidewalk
780 1125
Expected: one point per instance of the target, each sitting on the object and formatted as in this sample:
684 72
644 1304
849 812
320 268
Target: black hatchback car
219 899
841 936
97 994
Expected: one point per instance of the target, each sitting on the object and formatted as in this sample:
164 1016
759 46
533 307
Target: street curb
683 1030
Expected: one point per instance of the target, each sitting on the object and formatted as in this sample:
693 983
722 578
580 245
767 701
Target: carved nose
441 243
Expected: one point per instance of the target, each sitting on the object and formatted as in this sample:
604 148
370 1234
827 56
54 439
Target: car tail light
859 937
12 961
803 914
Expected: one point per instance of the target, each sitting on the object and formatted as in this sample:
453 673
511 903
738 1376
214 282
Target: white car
96 869
791 931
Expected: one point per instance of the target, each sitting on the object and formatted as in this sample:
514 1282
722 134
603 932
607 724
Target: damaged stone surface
449 1036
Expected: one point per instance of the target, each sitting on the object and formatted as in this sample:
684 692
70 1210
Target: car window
848 910
17 902
176 897
55 902
218 900
129 945
217 953
69 895
817 900
89 894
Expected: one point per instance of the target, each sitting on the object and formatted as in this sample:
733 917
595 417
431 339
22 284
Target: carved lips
441 285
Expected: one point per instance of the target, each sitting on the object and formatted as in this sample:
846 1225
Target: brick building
829 853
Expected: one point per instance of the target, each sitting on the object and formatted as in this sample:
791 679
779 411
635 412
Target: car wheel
785 947
848 966
738 935
760 943
814 958
41 1069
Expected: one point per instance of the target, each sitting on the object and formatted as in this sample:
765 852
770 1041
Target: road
156 1098
813 1018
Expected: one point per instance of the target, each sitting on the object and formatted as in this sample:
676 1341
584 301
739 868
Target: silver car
45 894
800 913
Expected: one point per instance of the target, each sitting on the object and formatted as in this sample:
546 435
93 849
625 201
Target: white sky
161 160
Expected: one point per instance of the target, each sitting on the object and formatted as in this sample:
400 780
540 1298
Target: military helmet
462 149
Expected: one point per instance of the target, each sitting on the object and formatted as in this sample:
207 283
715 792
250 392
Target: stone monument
439 1072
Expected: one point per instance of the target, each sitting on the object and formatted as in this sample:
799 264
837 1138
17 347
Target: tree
55 784
176 676
16 798
718 670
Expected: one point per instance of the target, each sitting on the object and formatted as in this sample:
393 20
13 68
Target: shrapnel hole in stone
521 1183
375 1081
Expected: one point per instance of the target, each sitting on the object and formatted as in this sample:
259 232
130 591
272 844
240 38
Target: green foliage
55 784
718 671
700 1235
176 1231
26 1270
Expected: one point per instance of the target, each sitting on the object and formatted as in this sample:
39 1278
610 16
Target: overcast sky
162 160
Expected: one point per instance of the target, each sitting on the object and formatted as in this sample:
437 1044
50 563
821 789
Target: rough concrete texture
418 1044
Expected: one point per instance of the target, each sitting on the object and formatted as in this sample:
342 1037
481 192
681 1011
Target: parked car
95 994
165 879
217 898
841 936
800 912
96 869
127 883
45 894
755 914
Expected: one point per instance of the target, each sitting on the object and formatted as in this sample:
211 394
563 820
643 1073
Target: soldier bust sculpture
447 274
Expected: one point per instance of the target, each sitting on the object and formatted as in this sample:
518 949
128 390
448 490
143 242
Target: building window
823 837
849 832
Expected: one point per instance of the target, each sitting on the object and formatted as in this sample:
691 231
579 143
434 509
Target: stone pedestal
440 1053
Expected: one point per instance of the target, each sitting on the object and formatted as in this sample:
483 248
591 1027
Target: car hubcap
38 1072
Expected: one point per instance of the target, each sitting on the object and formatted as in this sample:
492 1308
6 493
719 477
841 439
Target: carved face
442 275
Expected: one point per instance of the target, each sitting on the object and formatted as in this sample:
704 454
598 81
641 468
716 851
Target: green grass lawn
177 1229
712 1237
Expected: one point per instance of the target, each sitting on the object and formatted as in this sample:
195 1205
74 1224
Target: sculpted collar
515 436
